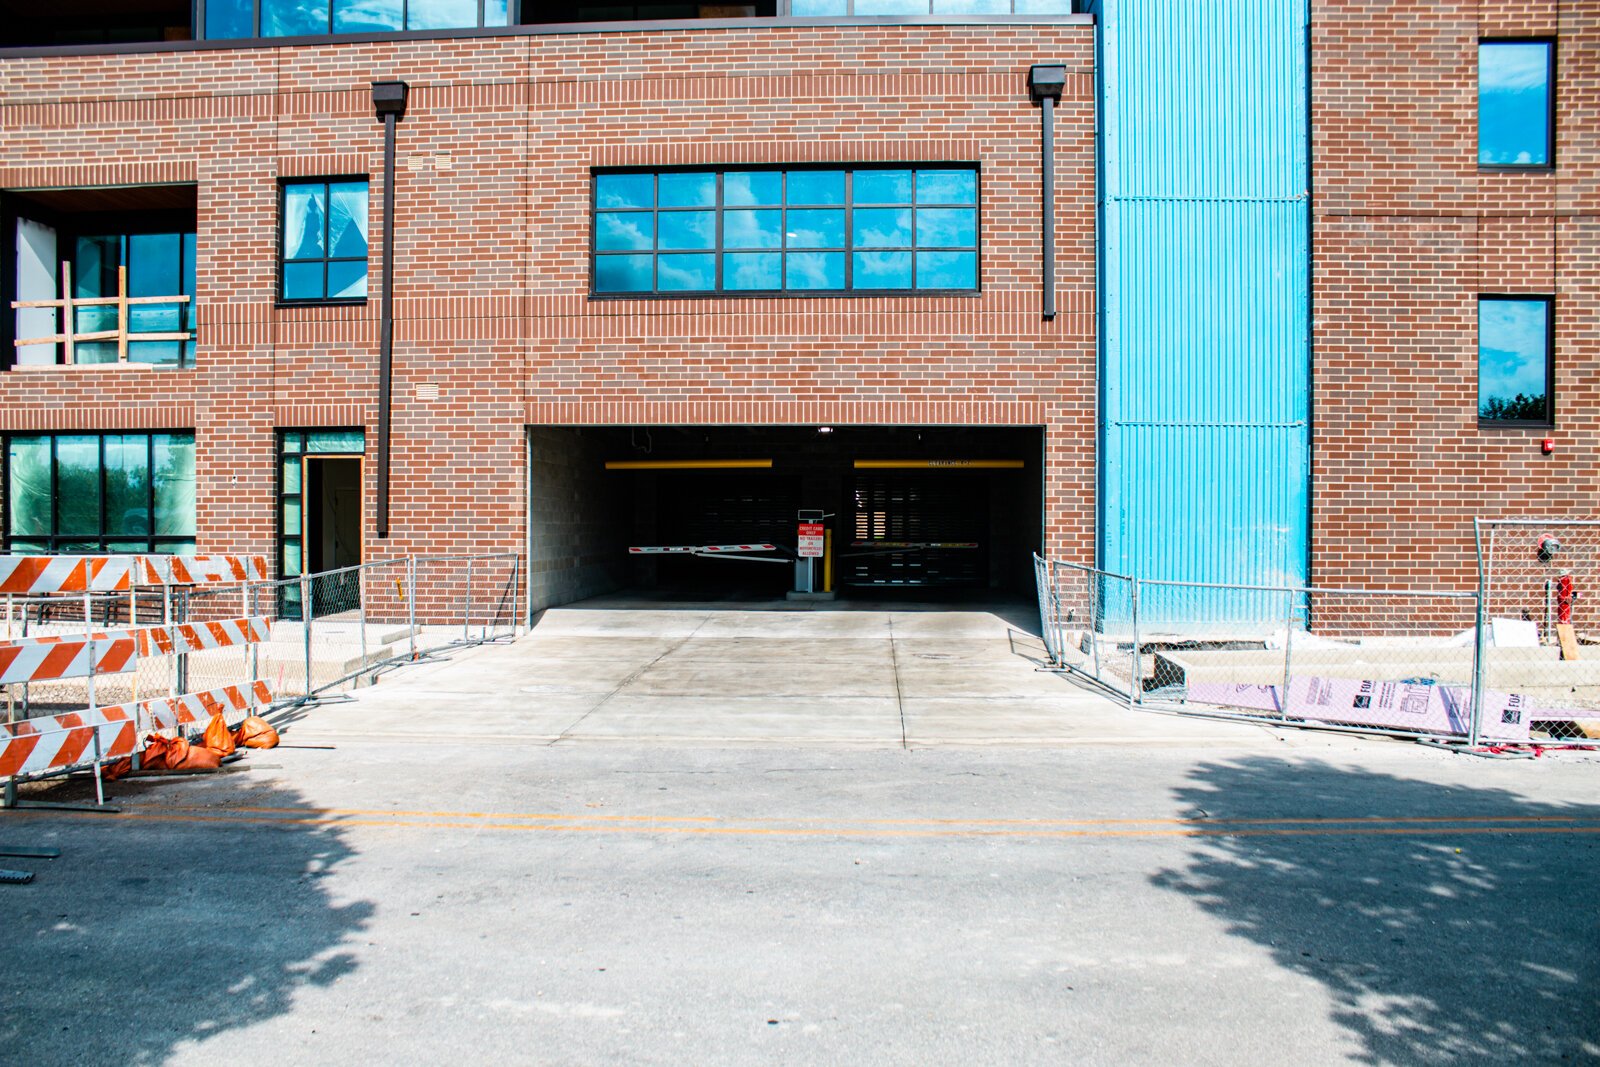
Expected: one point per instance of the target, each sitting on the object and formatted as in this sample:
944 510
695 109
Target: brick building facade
501 340
1409 229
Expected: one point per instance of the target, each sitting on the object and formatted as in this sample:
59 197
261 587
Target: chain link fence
1541 653
1417 663
327 632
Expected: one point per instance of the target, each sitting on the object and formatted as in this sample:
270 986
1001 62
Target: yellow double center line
806 826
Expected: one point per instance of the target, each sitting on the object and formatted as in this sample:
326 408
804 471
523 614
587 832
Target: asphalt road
399 902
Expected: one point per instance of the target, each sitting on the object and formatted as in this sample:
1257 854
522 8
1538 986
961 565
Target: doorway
331 533
332 514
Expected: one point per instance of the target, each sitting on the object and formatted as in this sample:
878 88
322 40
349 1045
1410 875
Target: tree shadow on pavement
1435 945
175 922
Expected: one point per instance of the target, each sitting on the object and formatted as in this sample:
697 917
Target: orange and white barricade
50 658
178 638
193 711
200 570
42 575
60 742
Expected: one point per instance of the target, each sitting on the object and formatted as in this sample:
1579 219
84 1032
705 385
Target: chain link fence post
361 602
1475 729
305 626
1136 679
466 606
411 603
1288 656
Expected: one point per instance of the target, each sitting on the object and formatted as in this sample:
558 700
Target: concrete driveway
615 669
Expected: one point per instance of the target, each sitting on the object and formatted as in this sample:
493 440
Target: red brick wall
1407 234
492 270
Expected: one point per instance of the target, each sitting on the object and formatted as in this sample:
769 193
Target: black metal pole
389 100
386 336
1047 116
1046 84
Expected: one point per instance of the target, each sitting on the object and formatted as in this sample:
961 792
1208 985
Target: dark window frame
158 543
1550 107
283 214
1549 421
848 250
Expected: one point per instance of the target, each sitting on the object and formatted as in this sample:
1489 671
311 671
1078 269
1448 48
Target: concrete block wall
577 533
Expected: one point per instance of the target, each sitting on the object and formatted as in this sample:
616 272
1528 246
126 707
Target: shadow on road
177 921
1435 946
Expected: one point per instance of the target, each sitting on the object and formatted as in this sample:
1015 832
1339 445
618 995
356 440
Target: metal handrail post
305 625
1136 680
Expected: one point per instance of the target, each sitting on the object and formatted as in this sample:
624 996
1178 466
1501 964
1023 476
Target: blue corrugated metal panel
1205 333
1205 100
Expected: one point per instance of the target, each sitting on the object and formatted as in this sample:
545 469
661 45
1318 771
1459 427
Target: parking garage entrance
906 513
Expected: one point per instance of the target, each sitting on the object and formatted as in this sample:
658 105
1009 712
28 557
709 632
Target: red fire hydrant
1565 595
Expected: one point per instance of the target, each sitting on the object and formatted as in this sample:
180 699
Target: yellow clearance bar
687 464
924 464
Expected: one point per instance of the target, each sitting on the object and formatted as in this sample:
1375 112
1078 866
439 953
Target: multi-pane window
324 241
1515 360
158 264
226 19
864 230
1514 113
100 493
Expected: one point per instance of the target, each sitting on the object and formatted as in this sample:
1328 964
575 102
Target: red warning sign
810 541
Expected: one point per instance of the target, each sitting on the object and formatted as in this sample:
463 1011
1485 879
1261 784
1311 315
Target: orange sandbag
218 738
116 768
256 732
157 749
194 758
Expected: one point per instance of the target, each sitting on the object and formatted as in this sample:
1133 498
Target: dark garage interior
929 513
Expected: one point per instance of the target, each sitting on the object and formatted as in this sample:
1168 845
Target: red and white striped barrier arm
655 550
40 575
198 636
200 570
195 709
60 741
44 659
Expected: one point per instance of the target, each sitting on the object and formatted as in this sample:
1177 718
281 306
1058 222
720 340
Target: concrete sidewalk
614 669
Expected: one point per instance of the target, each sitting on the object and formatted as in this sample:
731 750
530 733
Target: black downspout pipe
389 100
1045 84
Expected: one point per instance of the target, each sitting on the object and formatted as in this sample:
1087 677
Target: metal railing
1423 663
332 629
328 632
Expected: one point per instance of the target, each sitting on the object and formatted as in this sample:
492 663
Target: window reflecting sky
1511 351
1514 104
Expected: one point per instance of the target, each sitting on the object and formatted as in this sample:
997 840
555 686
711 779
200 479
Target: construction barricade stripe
196 709
199 570
198 636
43 659
61 741
41 575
